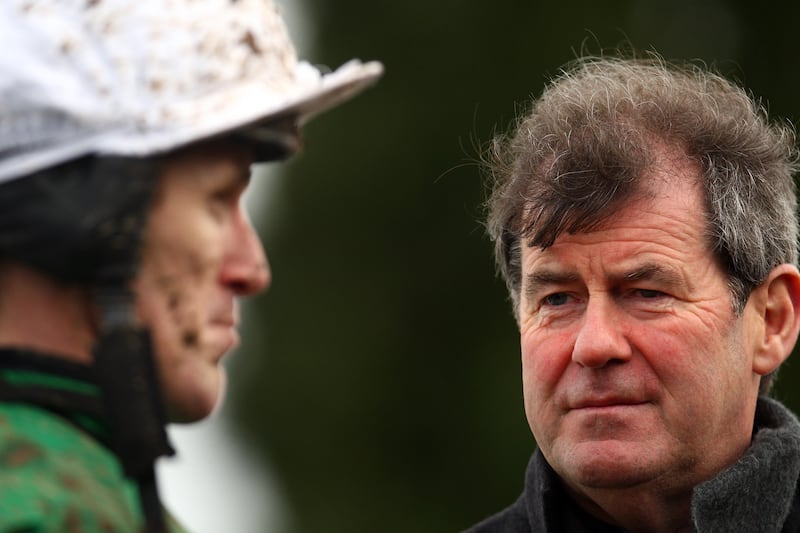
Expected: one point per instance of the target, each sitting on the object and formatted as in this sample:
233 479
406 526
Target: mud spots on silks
16 454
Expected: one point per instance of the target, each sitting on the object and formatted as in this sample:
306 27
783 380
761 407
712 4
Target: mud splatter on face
190 338
181 309
173 300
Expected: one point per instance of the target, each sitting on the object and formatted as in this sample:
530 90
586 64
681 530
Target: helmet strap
126 373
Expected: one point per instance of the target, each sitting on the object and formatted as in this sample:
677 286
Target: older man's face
636 370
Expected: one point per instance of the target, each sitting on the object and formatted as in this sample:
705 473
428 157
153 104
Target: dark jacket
757 494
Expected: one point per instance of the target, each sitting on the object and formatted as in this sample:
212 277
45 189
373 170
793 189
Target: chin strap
123 354
126 373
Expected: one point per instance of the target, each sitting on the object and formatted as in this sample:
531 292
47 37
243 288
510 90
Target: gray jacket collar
756 493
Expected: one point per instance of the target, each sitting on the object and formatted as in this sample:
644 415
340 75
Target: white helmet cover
140 77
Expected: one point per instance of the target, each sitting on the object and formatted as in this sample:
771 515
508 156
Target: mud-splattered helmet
92 93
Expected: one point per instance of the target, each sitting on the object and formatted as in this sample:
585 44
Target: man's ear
777 301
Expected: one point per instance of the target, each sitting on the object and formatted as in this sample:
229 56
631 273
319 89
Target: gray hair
580 153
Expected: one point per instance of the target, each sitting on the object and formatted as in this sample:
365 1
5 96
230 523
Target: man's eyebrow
535 281
650 272
539 279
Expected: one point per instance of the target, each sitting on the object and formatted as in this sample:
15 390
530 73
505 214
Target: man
127 133
644 221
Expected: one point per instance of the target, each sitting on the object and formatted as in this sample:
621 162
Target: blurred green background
380 375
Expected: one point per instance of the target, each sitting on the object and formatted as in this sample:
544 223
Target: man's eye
559 298
227 195
649 293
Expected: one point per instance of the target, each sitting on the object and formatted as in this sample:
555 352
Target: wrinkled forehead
656 237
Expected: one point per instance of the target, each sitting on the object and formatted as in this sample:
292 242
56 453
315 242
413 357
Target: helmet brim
247 107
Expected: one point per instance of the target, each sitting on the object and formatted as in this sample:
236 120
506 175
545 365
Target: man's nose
245 270
601 337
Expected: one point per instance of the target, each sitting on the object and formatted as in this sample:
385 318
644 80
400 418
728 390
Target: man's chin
608 465
199 399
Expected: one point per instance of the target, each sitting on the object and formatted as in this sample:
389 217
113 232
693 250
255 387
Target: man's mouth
596 402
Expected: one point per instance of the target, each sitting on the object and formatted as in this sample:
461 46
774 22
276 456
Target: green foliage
385 389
